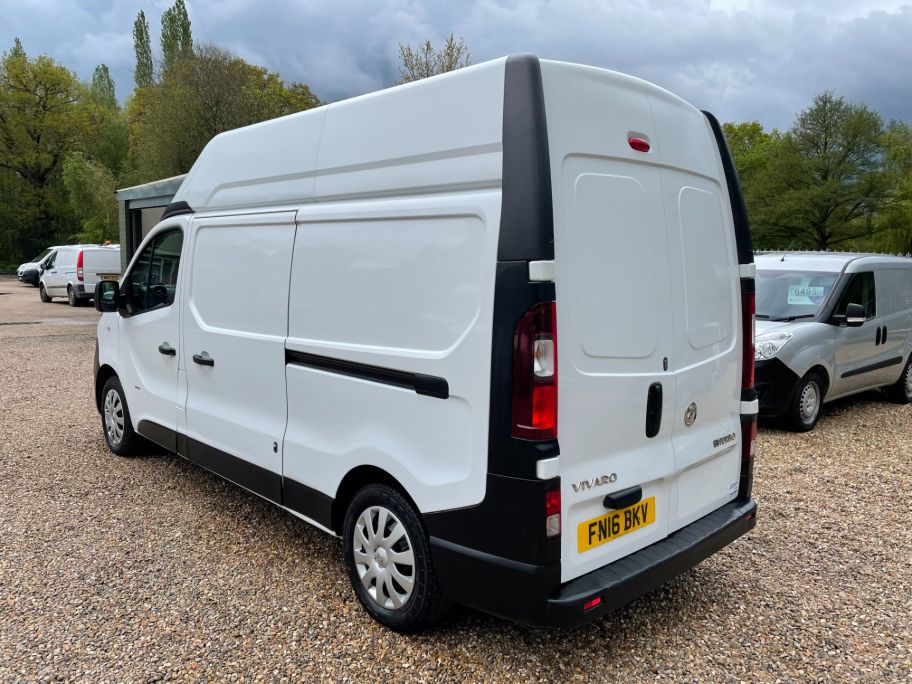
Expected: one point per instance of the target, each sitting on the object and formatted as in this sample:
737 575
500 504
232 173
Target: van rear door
647 293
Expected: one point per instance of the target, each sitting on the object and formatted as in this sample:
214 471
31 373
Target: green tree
144 72
102 90
90 187
200 96
425 60
44 114
821 185
176 39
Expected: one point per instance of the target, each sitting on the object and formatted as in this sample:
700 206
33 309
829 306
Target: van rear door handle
654 409
203 359
166 349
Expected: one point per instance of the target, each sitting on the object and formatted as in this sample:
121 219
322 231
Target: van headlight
768 345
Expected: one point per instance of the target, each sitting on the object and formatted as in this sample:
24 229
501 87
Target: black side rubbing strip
739 209
175 209
428 385
527 215
873 367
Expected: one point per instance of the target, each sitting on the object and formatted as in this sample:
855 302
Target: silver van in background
830 325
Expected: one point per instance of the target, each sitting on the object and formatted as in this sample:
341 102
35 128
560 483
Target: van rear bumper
521 592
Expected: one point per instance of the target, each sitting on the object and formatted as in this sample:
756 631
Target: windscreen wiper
795 318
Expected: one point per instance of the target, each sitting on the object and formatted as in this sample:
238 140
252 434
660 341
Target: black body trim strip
736 197
164 437
307 501
527 214
873 367
257 479
176 209
286 492
428 385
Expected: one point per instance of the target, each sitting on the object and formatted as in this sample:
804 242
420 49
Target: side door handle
877 338
883 338
654 409
203 359
166 349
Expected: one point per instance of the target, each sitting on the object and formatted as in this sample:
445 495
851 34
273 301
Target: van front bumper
30 277
775 383
520 592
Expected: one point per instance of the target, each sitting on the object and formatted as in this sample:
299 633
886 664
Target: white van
493 329
74 270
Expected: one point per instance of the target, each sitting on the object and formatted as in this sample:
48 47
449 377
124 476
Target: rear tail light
748 311
552 513
79 271
535 374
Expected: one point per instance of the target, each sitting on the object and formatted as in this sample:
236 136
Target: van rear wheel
71 297
901 391
807 401
388 557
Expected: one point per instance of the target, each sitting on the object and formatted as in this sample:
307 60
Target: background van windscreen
783 295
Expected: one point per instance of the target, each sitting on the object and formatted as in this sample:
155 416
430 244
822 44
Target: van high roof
834 262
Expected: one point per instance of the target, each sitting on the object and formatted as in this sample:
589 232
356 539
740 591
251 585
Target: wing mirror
855 315
107 295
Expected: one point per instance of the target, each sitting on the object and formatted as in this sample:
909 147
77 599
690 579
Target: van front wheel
806 403
388 557
115 420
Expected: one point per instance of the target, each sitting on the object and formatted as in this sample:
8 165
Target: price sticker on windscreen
804 295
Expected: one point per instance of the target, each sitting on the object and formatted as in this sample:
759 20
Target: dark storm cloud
743 59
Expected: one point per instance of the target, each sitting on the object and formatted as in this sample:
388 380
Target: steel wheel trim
113 417
384 557
809 403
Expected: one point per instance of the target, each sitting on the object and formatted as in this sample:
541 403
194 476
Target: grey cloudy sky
742 59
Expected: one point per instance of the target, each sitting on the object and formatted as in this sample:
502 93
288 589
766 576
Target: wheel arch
102 375
824 374
354 480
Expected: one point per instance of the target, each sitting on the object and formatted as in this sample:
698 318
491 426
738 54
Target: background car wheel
71 297
807 401
388 557
43 293
901 391
115 420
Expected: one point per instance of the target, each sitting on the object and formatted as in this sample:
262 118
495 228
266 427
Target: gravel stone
153 570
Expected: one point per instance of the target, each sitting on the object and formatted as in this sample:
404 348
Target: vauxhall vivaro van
493 329
830 325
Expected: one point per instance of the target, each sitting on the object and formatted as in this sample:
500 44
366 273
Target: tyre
389 563
115 420
71 297
43 293
901 390
804 411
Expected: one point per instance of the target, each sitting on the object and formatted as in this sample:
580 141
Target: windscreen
787 295
41 256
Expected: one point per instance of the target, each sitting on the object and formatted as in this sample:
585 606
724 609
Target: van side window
860 291
153 280
49 264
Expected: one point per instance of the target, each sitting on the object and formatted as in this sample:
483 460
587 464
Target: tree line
840 178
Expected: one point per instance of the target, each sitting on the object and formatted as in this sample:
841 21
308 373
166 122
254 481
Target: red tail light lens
79 271
535 374
748 312
553 513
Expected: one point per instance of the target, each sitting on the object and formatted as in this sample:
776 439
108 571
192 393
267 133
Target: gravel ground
150 569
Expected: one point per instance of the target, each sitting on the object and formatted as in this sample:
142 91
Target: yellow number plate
109 277
615 524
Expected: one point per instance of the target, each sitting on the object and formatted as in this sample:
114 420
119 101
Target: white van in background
495 331
74 270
